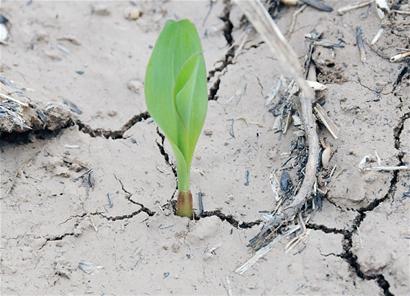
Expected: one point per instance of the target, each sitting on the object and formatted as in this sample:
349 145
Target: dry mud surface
61 234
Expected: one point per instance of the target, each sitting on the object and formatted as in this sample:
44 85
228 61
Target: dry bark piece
319 5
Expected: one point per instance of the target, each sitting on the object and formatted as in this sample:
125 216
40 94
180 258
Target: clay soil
84 209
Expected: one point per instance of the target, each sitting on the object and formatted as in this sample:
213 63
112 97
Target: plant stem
184 204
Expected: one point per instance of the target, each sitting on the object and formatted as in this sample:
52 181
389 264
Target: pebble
53 55
3 33
100 10
132 14
134 86
112 113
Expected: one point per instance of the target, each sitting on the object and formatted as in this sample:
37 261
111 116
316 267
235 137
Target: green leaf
176 91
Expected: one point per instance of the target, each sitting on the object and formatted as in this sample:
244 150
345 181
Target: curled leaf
176 91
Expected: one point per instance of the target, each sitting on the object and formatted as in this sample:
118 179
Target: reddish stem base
184 204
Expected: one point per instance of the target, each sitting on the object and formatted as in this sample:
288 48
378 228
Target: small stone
62 172
63 268
112 113
132 14
4 33
100 9
41 36
134 85
175 247
53 55
208 132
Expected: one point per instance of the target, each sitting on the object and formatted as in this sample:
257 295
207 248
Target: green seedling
176 97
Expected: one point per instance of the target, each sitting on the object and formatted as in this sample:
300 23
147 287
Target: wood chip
327 122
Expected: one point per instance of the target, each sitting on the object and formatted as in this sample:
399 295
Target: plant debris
360 43
318 4
88 267
18 117
4 31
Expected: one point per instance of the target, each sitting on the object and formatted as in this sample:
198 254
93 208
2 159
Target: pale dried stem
266 27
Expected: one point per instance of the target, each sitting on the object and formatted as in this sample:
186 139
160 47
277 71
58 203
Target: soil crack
350 257
128 196
124 217
59 237
228 26
230 219
161 147
112 134
347 243
229 55
326 229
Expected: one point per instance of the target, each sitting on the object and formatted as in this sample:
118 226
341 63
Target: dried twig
377 36
351 7
388 168
399 57
259 254
404 12
293 23
269 31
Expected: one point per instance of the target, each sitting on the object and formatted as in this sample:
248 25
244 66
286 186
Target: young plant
176 97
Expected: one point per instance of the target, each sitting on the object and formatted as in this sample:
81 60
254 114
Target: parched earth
82 209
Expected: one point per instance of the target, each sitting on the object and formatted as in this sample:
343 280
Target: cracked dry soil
99 191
